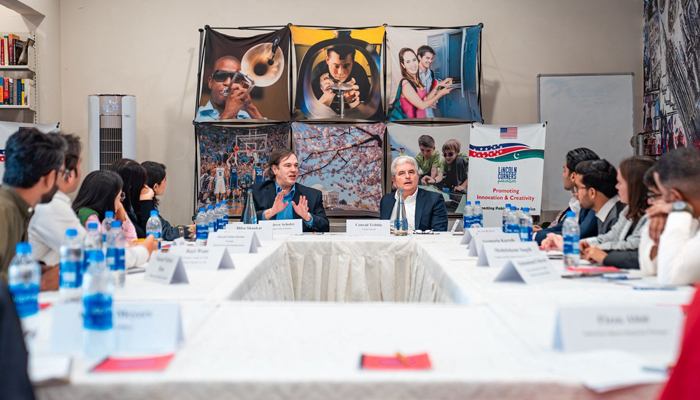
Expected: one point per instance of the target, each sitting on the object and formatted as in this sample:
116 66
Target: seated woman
134 177
100 192
618 247
158 181
415 97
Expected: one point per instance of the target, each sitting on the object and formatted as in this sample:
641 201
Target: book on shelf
13 38
5 50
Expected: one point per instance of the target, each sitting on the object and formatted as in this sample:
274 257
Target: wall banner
506 166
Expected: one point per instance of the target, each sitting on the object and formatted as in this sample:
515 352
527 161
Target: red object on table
134 364
593 269
418 361
43 306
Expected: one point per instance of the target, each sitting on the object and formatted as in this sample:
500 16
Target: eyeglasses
221 75
577 188
450 154
122 197
652 196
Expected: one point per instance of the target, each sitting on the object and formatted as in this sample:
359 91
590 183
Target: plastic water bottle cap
93 225
210 207
508 205
96 256
477 202
116 224
218 205
469 203
570 214
71 232
201 209
154 213
526 209
23 248
109 214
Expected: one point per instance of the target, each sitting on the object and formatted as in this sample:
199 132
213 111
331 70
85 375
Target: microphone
275 46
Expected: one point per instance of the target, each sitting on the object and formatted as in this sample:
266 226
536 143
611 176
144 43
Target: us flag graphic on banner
509 133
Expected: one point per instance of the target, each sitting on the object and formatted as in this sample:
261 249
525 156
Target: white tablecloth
486 340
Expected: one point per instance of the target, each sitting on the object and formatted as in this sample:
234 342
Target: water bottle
211 220
71 268
202 223
217 212
92 242
115 253
478 214
467 215
98 338
249 216
224 215
525 225
401 223
572 234
513 222
107 224
154 227
24 278
506 211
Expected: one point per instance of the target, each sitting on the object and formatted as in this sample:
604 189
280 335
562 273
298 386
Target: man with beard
283 198
33 166
227 100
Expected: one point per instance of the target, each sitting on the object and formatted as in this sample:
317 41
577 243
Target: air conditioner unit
111 129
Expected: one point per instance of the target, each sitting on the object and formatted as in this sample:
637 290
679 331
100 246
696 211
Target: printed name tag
470 233
204 258
262 231
368 227
284 227
235 241
634 329
477 244
165 268
529 270
497 255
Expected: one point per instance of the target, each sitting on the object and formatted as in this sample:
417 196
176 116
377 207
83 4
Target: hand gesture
234 102
657 214
553 242
583 247
150 244
595 255
120 213
328 94
277 206
302 209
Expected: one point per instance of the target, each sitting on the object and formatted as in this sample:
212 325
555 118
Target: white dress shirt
678 259
410 205
47 230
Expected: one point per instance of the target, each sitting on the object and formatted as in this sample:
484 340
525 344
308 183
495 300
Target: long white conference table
292 321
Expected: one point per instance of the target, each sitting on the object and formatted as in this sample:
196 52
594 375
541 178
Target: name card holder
528 270
284 227
470 233
237 242
368 227
204 258
477 243
166 268
497 255
262 231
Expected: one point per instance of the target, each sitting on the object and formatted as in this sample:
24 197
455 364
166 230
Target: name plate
470 233
203 258
179 242
528 270
634 329
497 255
477 244
262 231
368 227
166 268
238 242
138 327
284 227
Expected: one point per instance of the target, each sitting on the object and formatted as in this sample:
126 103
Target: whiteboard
583 110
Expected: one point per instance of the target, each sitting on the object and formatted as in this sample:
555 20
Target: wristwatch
682 206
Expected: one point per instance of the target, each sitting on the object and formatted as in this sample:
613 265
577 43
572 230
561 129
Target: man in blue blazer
283 198
425 210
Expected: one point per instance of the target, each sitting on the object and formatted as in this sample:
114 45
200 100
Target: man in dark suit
283 198
425 210
587 220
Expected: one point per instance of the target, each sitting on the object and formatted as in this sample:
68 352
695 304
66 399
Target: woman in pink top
415 98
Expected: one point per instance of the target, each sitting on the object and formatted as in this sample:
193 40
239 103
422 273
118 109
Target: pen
403 359
653 288
620 277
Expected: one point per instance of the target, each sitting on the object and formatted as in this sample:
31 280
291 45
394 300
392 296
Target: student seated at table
594 187
101 192
157 182
282 198
673 220
134 178
618 247
425 210
586 218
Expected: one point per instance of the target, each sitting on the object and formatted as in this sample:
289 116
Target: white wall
149 49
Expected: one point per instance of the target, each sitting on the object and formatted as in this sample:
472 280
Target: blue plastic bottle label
571 244
202 232
26 299
401 225
115 259
70 275
98 312
157 235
